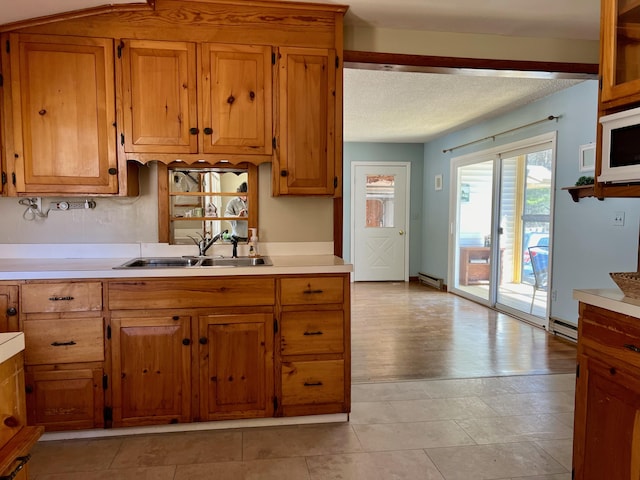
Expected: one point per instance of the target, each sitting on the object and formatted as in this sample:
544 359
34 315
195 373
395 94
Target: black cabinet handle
194 131
63 344
11 311
312 333
203 340
59 299
633 348
23 461
186 342
208 131
310 292
312 384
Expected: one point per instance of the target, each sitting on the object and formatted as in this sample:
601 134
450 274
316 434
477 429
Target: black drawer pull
313 333
23 461
307 292
633 348
63 344
312 384
57 299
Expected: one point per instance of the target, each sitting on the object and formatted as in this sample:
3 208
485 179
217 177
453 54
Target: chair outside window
539 256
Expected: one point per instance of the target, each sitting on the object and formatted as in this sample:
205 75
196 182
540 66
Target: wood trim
85 12
436 64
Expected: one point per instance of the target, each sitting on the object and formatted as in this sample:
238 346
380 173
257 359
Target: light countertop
611 299
61 268
11 343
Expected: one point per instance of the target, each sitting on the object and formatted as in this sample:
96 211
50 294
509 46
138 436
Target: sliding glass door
500 245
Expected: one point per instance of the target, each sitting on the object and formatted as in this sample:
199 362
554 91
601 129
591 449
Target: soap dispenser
253 243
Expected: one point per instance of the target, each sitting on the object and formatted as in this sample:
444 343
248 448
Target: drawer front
308 383
311 290
312 332
191 293
63 341
610 333
61 297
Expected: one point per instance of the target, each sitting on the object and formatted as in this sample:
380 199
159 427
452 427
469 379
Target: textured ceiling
386 106
408 107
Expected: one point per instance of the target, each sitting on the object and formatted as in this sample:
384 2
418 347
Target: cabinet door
151 369
65 399
620 49
236 366
305 163
64 114
607 422
8 308
159 90
236 99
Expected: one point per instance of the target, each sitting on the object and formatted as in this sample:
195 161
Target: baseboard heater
431 281
564 329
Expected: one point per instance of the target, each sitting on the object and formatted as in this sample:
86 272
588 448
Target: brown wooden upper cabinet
306 161
169 109
63 112
620 50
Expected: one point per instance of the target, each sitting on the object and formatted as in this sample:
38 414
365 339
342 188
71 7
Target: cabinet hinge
335 182
274 143
13 178
578 370
7 47
108 332
4 178
275 325
1 80
337 61
108 414
122 139
273 58
275 403
573 474
105 382
120 47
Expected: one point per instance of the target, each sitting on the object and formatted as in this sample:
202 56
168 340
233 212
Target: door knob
401 232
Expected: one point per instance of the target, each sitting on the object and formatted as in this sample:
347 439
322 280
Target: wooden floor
406 331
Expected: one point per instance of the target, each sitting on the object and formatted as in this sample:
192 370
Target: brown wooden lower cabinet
186 349
151 365
607 412
236 365
65 398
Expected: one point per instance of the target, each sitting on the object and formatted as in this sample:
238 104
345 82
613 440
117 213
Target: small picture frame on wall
437 182
587 157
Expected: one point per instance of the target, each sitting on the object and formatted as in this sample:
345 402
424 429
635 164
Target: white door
380 199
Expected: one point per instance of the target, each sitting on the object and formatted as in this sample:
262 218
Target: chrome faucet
204 244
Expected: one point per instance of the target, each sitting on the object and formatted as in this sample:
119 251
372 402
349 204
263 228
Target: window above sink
202 201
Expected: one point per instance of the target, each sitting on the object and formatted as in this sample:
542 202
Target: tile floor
514 427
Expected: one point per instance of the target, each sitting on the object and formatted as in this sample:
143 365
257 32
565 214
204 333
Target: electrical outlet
618 219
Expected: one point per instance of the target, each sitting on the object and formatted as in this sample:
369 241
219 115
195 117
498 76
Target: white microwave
621 147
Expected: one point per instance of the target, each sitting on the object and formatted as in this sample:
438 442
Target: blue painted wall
388 152
586 246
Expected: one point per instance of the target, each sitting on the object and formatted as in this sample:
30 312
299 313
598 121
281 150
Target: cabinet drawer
61 297
613 334
312 332
191 293
307 383
311 290
63 341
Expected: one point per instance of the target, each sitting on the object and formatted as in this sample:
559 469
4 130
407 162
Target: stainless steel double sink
192 262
